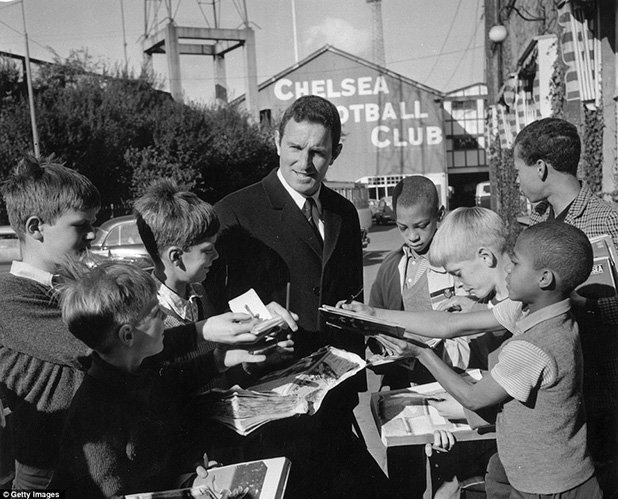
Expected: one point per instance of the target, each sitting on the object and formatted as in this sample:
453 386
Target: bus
358 195
381 186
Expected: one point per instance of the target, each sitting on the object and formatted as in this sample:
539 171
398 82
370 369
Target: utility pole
377 32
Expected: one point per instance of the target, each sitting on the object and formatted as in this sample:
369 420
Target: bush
122 132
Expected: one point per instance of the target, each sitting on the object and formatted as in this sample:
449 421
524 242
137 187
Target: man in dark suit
290 228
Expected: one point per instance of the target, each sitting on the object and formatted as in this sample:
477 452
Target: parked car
384 213
119 239
9 247
482 196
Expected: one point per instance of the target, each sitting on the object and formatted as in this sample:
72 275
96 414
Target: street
384 238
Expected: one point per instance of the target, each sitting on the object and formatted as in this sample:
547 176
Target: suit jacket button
316 290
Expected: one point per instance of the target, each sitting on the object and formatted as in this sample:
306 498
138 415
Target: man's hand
356 306
290 318
228 328
447 407
457 304
224 359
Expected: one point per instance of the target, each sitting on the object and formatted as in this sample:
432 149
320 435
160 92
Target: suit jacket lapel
332 223
291 217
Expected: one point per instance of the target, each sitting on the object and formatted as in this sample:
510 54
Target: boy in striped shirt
535 378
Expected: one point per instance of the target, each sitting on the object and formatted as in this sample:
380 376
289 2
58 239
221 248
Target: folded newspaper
298 389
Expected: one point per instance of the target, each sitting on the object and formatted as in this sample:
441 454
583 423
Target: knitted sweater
41 367
129 446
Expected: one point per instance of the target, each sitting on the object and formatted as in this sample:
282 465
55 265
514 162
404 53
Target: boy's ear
487 257
547 280
33 228
542 169
174 255
440 214
126 335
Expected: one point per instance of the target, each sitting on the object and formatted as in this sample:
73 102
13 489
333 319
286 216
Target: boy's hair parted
46 189
553 140
463 231
96 301
562 248
415 190
315 110
169 216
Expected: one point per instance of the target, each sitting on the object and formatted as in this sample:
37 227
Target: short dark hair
315 110
553 140
95 301
562 248
46 189
168 216
415 190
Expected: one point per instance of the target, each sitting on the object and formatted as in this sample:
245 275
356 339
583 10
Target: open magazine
264 479
298 389
404 417
371 327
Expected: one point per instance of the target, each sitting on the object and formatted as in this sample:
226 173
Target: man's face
417 225
70 235
522 277
528 178
197 259
474 276
305 153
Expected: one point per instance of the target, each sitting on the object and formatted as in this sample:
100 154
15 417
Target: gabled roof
347 55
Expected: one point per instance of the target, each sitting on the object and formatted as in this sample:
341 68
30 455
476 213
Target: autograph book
371 327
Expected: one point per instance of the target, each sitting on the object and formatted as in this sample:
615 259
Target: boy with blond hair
535 378
471 246
131 446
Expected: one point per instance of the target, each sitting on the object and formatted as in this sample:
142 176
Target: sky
438 43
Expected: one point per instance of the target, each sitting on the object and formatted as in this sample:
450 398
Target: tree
122 132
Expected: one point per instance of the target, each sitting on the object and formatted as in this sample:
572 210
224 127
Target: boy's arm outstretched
474 396
433 324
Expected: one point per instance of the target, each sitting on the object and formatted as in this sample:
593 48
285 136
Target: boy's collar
410 253
27 271
529 320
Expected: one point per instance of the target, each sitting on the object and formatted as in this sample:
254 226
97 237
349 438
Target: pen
287 296
354 297
249 311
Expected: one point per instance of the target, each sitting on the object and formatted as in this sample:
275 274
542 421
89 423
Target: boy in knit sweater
124 432
52 209
535 378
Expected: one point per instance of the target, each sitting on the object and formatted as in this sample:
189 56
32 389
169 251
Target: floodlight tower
377 32
168 38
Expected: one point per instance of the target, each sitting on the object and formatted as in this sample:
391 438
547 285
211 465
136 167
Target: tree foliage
122 133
